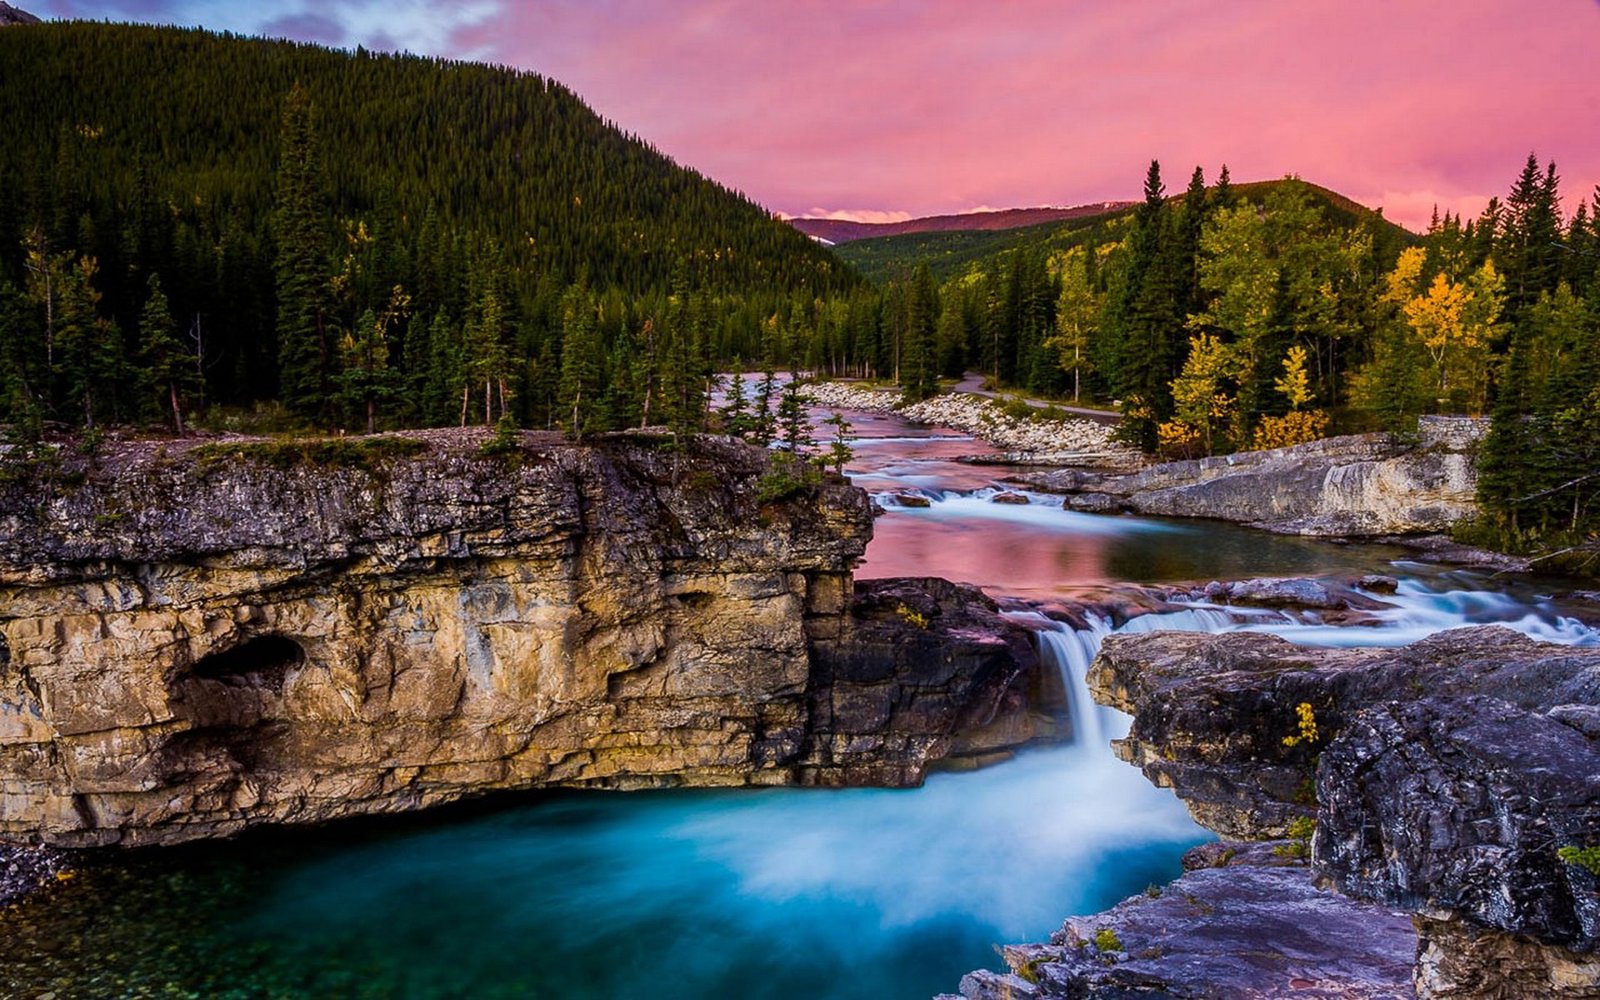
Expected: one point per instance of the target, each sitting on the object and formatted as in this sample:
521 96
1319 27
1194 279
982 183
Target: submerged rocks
1354 486
27 869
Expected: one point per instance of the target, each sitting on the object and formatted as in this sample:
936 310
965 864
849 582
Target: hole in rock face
261 661
231 699
5 651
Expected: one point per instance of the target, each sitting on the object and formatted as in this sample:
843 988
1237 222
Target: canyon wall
194 641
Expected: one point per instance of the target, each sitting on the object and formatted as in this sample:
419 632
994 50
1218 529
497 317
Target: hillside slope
98 117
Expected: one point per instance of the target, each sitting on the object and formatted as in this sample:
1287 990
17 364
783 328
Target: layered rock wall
198 642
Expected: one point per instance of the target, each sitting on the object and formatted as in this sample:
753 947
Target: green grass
364 453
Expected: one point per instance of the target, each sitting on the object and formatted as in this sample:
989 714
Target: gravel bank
1040 442
26 869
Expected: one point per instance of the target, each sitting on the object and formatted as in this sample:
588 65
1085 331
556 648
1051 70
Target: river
783 893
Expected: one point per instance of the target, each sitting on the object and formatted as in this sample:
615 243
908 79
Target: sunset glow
922 108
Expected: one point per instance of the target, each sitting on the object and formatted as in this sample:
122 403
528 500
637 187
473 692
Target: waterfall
1071 651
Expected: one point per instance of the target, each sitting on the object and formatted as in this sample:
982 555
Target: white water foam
1416 612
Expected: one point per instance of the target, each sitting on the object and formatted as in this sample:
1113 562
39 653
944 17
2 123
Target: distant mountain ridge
14 15
844 230
882 256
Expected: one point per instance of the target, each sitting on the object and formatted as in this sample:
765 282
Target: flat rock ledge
1356 486
1243 923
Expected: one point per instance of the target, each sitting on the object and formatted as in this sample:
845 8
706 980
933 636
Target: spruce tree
167 365
305 356
580 362
919 370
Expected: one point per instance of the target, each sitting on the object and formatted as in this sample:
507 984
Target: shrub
786 477
1106 939
1587 858
1299 846
912 616
1297 427
1307 726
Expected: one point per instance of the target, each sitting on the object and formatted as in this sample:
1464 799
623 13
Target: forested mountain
838 231
414 189
264 234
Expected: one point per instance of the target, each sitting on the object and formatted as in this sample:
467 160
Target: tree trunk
177 414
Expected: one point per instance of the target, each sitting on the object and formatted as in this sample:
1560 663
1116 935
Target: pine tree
366 379
167 364
793 422
1527 248
736 420
839 452
580 362
919 374
92 357
764 426
305 356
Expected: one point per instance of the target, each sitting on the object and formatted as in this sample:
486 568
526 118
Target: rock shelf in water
1360 485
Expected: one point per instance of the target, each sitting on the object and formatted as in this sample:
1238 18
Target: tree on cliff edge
305 358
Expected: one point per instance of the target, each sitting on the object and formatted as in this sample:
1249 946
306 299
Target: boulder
1255 925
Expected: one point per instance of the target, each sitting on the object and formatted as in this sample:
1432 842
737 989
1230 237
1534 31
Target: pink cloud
856 215
934 106
937 106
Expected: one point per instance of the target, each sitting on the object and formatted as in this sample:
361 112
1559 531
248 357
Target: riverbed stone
1255 925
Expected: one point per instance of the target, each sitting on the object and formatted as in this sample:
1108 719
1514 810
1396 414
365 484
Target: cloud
857 215
423 26
939 105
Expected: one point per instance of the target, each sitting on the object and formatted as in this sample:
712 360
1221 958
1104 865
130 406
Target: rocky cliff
1443 779
197 641
1356 486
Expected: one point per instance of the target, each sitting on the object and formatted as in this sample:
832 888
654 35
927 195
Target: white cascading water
1416 613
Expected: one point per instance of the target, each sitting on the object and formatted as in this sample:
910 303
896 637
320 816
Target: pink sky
893 106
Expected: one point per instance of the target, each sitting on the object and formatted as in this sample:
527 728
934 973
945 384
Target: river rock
25 869
1459 804
1443 777
1010 498
1255 926
200 642
1353 486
